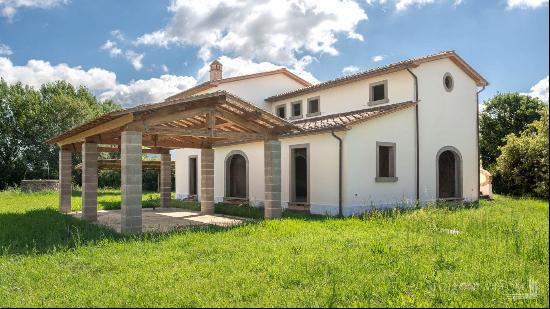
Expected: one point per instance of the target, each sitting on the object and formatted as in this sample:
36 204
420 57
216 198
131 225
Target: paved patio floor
162 220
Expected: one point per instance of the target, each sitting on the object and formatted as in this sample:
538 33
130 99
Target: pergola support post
165 180
272 170
65 180
131 178
207 181
89 181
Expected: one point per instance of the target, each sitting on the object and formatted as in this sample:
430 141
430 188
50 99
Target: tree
504 114
522 167
28 117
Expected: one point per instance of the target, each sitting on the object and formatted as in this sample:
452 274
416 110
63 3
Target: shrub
522 167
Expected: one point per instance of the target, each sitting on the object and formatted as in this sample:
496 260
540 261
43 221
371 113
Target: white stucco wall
446 119
361 191
354 96
255 90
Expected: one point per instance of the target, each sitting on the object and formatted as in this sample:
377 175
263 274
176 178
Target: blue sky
141 51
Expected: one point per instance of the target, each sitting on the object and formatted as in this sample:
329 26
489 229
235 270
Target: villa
398 134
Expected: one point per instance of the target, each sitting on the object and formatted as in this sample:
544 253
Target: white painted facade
445 119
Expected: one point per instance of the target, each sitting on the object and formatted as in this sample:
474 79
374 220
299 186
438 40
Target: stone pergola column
165 185
272 170
65 180
207 181
89 181
131 174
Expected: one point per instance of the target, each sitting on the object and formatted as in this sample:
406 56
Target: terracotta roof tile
342 120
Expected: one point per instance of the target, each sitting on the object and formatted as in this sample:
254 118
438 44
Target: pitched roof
342 120
210 84
390 68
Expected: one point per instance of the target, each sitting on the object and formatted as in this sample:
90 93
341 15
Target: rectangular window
378 93
281 111
296 110
313 108
385 162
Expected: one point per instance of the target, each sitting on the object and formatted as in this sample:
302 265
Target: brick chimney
215 71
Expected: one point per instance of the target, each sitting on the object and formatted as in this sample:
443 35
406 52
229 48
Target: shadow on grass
47 231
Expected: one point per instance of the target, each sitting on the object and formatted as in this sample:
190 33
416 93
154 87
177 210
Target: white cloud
101 82
403 5
271 30
5 50
240 66
540 90
149 90
135 59
9 7
112 47
350 70
378 58
164 68
526 4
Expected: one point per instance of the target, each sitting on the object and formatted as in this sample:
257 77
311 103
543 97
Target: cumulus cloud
5 50
101 82
350 70
540 90
112 47
8 8
403 5
526 4
148 90
378 58
271 30
240 66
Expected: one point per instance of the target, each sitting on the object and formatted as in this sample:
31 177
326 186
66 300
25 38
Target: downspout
477 138
417 135
340 210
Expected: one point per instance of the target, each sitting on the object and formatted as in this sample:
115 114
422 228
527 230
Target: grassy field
486 255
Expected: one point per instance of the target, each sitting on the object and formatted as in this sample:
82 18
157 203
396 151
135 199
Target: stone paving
165 219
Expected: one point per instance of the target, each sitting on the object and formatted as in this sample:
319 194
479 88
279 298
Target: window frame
283 106
448 89
318 112
371 93
292 104
392 163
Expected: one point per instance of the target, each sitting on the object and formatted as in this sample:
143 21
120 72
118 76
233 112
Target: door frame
292 169
227 173
458 173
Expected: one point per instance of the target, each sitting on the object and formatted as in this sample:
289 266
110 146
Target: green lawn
475 256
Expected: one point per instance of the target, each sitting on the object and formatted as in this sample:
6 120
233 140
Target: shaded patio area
164 219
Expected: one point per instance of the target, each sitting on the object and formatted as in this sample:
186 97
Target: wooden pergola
202 121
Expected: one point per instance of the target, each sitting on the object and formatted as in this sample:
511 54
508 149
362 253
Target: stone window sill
371 103
296 117
386 179
313 114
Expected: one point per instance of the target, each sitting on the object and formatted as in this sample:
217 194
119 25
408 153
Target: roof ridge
403 64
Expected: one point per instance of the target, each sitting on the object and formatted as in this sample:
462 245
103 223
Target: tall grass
493 254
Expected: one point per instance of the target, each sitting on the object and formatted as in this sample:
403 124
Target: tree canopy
504 114
522 167
30 116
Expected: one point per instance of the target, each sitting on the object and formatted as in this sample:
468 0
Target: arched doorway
449 173
236 175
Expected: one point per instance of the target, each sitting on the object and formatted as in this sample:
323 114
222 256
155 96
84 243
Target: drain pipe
340 210
417 135
477 138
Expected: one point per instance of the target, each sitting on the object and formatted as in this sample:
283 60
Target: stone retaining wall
39 185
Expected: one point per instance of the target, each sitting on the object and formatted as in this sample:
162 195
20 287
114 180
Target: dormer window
313 107
281 111
296 110
378 93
